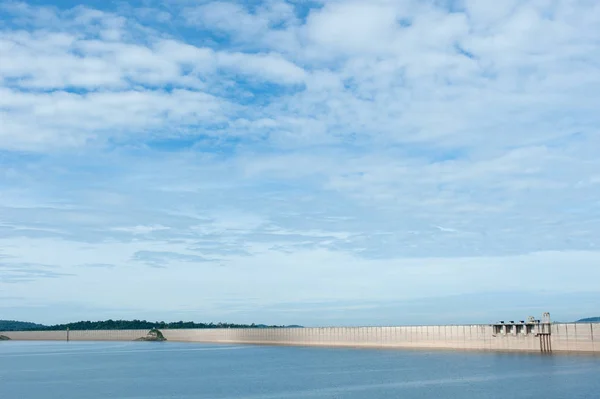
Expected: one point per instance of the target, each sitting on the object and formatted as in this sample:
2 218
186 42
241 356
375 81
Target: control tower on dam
530 335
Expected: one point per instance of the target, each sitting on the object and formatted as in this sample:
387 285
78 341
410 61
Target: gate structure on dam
532 329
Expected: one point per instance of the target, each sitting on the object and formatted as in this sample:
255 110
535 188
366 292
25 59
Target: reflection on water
151 370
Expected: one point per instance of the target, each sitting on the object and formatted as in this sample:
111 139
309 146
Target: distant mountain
589 320
13 325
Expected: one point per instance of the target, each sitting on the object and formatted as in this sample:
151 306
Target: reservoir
153 370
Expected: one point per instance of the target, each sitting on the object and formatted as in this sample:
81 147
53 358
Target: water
150 370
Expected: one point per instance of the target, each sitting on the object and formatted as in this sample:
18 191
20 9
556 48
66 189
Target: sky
332 162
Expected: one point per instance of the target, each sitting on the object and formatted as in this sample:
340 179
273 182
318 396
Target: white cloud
141 229
235 18
63 119
82 84
328 153
353 27
273 66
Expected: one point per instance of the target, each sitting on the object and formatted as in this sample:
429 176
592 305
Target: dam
534 336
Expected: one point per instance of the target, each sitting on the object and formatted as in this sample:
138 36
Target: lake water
150 370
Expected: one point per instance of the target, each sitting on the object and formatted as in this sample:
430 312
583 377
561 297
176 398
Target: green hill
13 325
589 320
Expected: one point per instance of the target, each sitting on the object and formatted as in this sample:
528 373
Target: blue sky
312 162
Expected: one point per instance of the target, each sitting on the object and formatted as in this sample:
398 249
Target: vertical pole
541 343
592 336
67 334
544 343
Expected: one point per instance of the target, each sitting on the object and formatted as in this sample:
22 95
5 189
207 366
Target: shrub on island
153 335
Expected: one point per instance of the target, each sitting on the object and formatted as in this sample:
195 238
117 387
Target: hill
589 320
13 325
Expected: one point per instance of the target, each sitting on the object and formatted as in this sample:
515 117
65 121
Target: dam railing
556 338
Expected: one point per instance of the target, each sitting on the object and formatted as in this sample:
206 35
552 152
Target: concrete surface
565 338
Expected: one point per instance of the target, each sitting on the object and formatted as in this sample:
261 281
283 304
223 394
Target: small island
154 335
4 338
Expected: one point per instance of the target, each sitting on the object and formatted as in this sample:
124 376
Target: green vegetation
121 325
589 320
12 325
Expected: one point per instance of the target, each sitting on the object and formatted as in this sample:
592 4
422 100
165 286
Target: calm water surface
59 370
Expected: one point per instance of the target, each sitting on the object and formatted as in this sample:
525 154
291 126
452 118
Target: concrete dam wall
581 337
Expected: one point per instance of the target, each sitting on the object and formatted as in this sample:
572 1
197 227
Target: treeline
121 325
142 325
13 325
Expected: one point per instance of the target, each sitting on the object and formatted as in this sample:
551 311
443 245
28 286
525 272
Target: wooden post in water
67 334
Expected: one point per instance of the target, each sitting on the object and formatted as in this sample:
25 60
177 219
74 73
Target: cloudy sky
315 162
